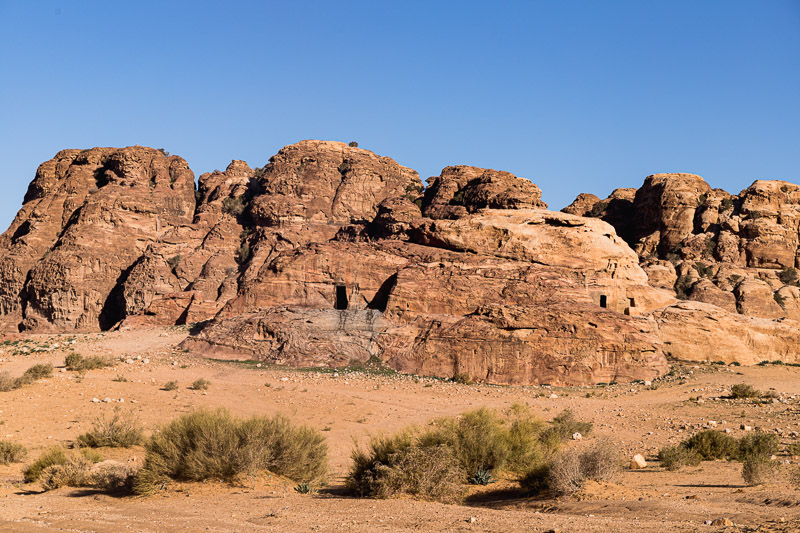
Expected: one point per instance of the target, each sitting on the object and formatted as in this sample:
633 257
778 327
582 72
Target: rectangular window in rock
603 300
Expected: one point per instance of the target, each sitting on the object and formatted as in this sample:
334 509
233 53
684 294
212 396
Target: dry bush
11 452
7 383
566 472
743 390
601 462
74 472
565 475
111 476
215 445
170 385
119 431
39 371
674 457
428 473
757 468
200 384
58 456
78 363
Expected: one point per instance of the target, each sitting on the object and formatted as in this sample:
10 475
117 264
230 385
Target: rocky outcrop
331 254
87 217
739 252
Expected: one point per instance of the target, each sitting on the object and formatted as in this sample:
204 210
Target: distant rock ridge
331 254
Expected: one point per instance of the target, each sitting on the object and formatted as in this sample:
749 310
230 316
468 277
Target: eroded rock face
88 216
735 251
332 254
460 190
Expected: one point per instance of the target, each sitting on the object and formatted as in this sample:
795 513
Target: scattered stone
577 436
638 462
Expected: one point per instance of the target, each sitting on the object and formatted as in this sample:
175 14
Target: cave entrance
603 300
341 298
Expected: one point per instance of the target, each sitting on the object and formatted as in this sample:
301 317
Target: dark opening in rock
603 300
341 297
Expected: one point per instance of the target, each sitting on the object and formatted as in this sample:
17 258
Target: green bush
565 425
793 448
11 452
171 385
215 445
39 371
674 457
78 363
119 431
234 206
479 439
477 442
711 444
758 444
743 390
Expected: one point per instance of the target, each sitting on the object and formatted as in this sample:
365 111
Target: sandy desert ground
350 406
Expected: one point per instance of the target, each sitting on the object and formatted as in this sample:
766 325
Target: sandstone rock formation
331 254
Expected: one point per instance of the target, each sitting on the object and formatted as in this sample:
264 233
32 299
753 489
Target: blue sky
578 96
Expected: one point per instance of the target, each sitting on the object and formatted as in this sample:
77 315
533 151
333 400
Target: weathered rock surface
739 252
331 254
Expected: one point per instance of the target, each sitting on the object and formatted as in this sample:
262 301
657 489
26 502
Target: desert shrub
793 448
113 477
352 144
565 425
234 206
601 462
7 383
758 444
170 385
479 439
788 276
711 444
119 431
200 384
73 472
674 457
757 468
570 469
11 452
529 444
743 390
363 478
57 456
536 479
53 456
39 371
215 445
78 363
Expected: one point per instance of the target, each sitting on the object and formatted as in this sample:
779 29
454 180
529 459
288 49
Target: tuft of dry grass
118 431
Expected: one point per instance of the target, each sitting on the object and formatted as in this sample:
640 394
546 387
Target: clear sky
578 96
